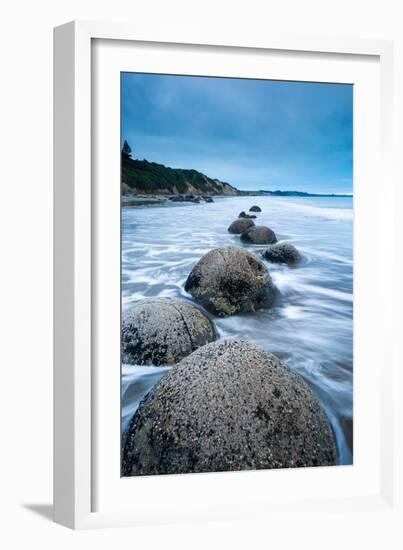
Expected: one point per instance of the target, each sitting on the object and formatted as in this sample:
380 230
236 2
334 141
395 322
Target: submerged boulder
228 406
231 280
240 225
255 209
245 215
285 253
259 234
161 331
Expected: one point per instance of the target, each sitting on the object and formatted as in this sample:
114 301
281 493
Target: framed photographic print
222 337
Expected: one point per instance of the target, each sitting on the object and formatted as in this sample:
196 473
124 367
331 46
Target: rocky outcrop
228 406
255 208
161 331
231 280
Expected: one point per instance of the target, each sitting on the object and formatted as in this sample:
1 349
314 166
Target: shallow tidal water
311 327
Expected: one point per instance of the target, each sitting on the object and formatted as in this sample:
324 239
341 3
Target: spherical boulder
284 253
228 406
162 331
231 280
240 225
255 209
259 234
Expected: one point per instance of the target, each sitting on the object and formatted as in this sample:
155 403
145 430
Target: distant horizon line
346 194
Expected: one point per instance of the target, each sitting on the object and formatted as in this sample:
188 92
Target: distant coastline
278 193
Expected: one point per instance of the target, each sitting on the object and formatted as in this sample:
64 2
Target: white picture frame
87 491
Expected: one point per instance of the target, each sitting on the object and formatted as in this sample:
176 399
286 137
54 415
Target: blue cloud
255 134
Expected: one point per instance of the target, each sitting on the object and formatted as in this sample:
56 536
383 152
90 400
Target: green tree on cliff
126 150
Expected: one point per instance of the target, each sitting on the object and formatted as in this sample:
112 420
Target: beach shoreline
316 298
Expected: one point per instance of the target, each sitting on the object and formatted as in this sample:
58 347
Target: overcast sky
254 134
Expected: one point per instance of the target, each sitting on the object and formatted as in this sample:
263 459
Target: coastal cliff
143 177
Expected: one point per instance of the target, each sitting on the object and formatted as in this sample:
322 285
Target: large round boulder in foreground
284 253
228 406
231 280
259 234
162 331
255 208
240 225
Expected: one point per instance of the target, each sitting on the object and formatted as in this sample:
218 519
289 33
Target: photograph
204 234
236 274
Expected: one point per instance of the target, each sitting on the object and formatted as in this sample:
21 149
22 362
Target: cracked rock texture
161 331
230 280
259 234
230 405
285 253
240 225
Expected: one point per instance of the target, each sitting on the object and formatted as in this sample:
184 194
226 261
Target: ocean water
311 327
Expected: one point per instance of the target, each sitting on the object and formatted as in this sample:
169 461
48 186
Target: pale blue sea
311 328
